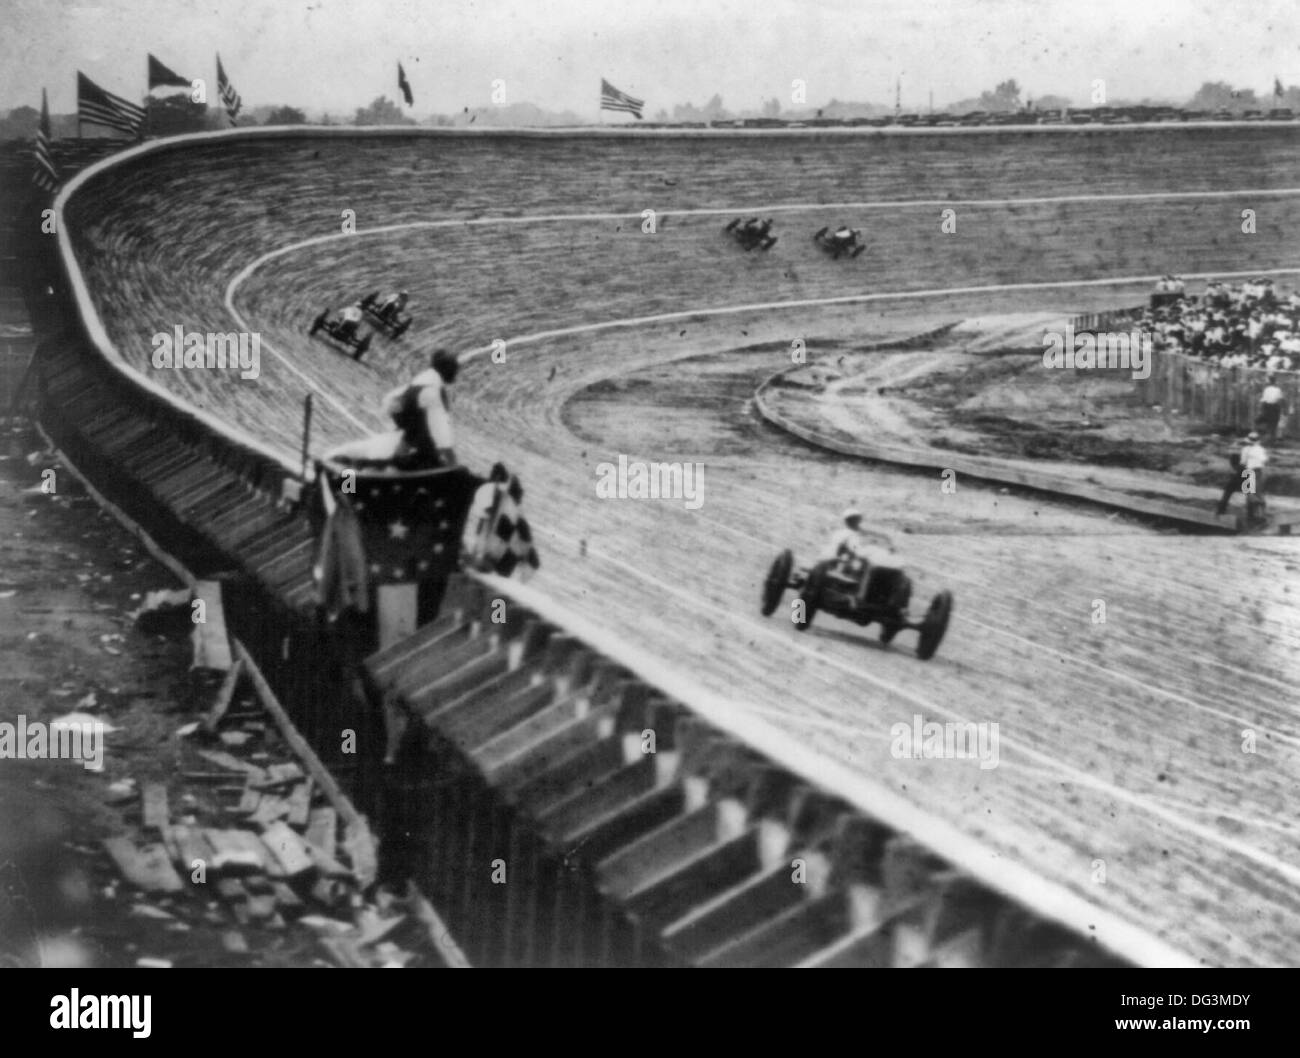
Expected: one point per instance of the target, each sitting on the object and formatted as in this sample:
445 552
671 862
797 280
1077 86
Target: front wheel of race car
934 625
809 597
778 576
400 329
318 322
887 632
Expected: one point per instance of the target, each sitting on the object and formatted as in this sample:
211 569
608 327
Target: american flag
229 97
46 177
161 76
409 524
404 86
103 108
612 99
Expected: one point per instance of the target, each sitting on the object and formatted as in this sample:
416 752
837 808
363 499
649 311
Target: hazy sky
340 54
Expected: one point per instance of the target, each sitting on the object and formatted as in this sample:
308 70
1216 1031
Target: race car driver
349 320
392 305
848 541
421 409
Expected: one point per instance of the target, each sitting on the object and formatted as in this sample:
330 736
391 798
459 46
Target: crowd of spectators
1247 325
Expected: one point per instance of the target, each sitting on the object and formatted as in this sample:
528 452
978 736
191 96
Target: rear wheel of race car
778 576
318 322
400 329
362 346
934 625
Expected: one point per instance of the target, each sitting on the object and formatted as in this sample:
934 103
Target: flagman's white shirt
431 401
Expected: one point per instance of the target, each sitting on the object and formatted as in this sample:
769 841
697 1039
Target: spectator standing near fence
1271 406
1251 456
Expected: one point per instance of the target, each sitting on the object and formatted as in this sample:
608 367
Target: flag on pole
497 536
229 97
405 86
103 108
160 76
612 99
46 177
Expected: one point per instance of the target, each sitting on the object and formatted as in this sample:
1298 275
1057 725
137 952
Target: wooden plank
359 844
223 759
250 799
288 849
397 608
192 847
300 804
211 644
285 897
269 809
225 693
147 867
234 850
153 801
322 829
326 864
278 774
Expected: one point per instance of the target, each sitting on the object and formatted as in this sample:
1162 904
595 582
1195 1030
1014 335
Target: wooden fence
1223 397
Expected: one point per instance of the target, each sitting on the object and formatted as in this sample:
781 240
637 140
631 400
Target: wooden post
397 612
306 432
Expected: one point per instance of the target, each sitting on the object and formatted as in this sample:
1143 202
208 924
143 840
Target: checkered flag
502 539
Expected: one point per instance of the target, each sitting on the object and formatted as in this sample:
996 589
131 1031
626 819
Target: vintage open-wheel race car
342 332
836 587
387 318
840 242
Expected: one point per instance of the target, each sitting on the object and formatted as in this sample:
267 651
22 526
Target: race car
752 232
835 586
841 241
344 330
387 315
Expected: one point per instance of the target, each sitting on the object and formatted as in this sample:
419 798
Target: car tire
934 625
400 329
778 577
888 631
318 323
810 596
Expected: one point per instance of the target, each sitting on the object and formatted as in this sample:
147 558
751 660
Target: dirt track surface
980 389
1121 743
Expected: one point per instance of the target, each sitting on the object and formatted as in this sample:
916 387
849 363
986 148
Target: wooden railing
1225 397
